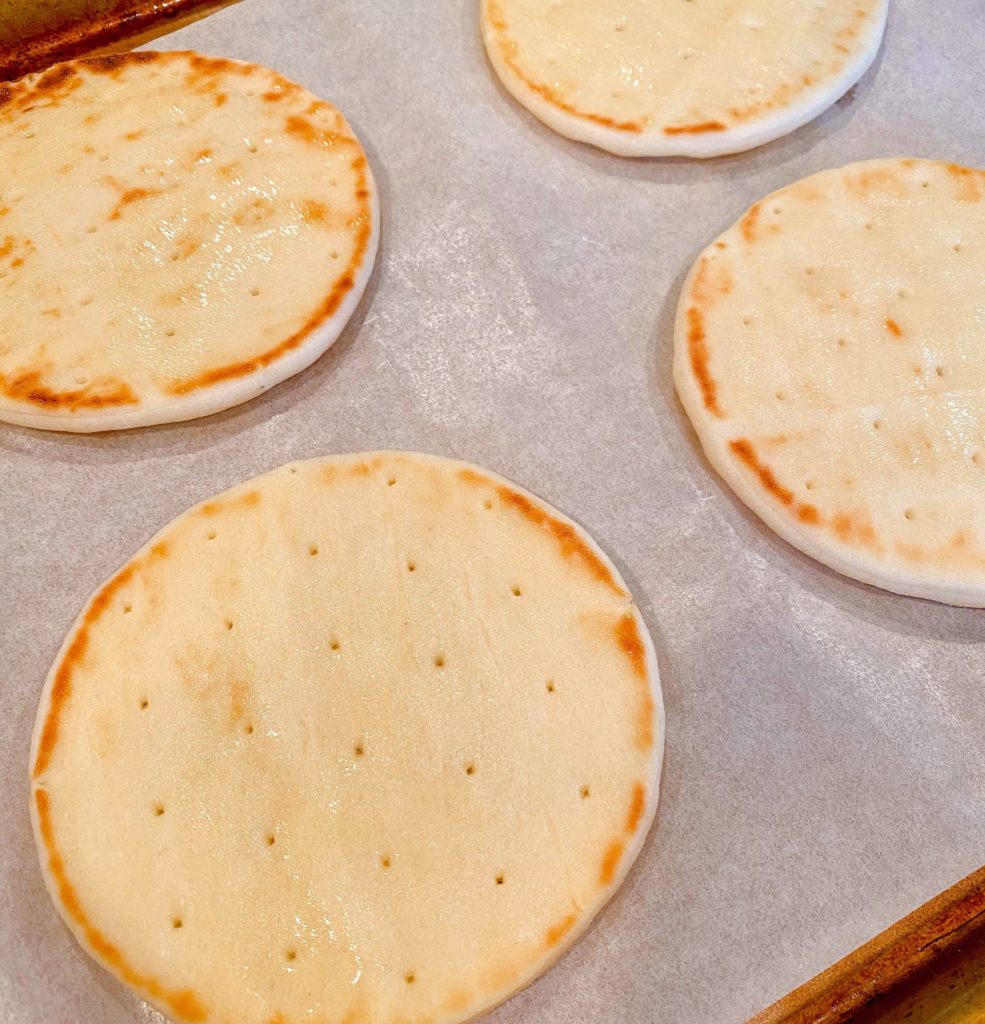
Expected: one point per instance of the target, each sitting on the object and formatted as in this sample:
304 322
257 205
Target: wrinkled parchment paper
825 768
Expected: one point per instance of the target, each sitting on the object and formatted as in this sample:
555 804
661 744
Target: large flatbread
679 78
178 233
830 351
369 739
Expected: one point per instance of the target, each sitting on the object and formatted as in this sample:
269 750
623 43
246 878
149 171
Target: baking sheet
825 767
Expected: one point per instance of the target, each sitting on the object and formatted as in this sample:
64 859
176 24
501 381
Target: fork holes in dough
470 768
312 549
270 839
158 809
908 514
410 978
585 792
500 879
439 661
516 591
550 686
177 923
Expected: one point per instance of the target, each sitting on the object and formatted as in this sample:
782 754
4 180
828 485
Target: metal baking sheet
825 768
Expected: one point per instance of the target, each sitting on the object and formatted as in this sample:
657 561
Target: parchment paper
824 771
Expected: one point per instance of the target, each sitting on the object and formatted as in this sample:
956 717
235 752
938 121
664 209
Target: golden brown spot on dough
133 195
695 129
133 136
302 128
278 1018
961 539
360 469
238 693
54 312
219 98
894 328
748 223
610 862
866 180
913 552
557 932
636 808
273 95
313 211
471 477
565 536
508 50
91 119
201 156
970 182
854 530
698 351
841 48
185 248
631 644
229 170
29 386
112 64
458 1001
744 451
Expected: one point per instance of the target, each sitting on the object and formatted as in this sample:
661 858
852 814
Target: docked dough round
830 352
678 77
369 738
178 233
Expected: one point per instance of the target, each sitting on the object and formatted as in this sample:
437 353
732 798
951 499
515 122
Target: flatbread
830 351
370 738
695 78
178 233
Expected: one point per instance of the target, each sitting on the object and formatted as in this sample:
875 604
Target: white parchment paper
825 768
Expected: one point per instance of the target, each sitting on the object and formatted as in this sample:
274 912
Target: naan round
830 352
178 233
370 738
695 78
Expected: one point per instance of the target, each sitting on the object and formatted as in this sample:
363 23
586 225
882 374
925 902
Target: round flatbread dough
178 233
370 738
830 351
678 77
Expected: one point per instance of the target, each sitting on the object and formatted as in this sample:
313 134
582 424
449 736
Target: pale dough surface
693 78
830 352
370 738
178 233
